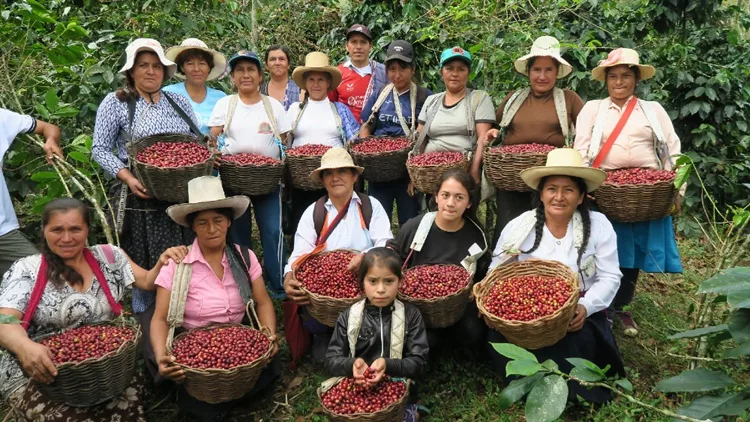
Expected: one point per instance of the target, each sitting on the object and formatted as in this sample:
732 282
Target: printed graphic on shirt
356 102
265 128
350 87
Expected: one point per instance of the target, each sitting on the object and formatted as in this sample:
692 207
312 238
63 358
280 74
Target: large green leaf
739 325
697 380
511 351
737 352
699 332
523 367
714 406
547 399
586 374
517 389
625 384
727 281
583 363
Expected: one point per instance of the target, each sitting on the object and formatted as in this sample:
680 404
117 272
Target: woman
224 278
317 120
423 239
141 109
562 228
541 113
81 285
363 225
449 123
251 122
647 139
386 116
197 64
279 86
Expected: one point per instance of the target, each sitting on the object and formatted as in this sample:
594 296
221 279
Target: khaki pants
14 246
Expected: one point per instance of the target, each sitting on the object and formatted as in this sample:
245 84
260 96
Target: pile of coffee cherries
380 145
435 159
523 149
639 176
346 398
326 275
220 347
246 159
87 342
173 154
431 281
309 150
527 298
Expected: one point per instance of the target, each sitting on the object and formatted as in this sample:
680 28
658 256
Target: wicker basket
327 309
94 381
223 385
167 184
635 203
300 167
440 312
392 413
426 178
384 166
251 180
504 170
541 332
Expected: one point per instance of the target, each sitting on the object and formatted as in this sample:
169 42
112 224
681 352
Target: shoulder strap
562 113
233 99
624 117
431 112
474 98
108 253
398 330
353 324
131 116
420 235
36 294
319 215
339 124
511 107
421 95
660 141
274 124
178 297
381 98
597 131
183 116
366 209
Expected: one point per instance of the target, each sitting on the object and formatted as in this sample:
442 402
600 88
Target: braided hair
582 208
57 270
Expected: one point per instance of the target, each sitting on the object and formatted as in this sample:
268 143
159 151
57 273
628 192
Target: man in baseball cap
361 77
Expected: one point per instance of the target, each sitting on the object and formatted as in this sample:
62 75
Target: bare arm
476 166
159 331
145 279
35 359
52 136
265 311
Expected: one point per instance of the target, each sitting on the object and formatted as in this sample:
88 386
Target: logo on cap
358 28
398 48
458 50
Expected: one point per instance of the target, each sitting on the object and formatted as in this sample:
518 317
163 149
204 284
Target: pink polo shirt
635 145
210 300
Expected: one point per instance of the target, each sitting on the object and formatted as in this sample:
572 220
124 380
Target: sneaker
629 327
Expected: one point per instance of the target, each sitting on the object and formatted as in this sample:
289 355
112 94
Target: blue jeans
268 217
387 192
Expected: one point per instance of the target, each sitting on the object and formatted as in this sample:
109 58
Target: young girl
389 335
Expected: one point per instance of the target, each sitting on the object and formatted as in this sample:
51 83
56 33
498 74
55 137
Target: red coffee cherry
87 342
326 275
220 348
523 149
245 159
380 145
431 281
527 298
173 154
639 176
308 150
436 158
346 398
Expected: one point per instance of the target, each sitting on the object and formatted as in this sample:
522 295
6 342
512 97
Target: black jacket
371 345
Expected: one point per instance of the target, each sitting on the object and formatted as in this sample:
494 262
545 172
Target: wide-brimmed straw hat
317 62
220 60
626 56
564 162
335 158
148 44
206 193
544 46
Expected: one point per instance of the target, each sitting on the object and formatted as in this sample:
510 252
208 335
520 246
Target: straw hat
624 56
544 46
148 44
317 62
335 158
206 193
220 60
564 162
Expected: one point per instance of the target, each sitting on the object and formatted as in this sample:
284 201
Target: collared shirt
349 234
210 299
363 71
634 147
11 124
602 285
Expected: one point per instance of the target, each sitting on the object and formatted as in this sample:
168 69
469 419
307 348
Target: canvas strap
398 328
607 147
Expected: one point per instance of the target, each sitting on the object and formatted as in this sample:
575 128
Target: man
361 77
13 244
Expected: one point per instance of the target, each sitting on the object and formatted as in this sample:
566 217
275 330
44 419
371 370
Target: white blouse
601 283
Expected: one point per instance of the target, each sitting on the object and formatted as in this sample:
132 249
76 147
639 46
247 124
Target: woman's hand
489 137
217 159
36 361
475 174
293 291
137 188
175 253
580 317
168 369
379 367
677 206
355 262
358 371
274 345
410 188
52 148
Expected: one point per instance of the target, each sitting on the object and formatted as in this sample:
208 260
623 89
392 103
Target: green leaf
79 156
712 406
625 384
738 352
697 380
44 176
550 364
547 399
523 367
583 363
511 351
67 111
682 175
699 332
739 325
727 281
517 389
586 374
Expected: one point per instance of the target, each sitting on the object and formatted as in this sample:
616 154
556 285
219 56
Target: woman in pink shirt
224 278
647 140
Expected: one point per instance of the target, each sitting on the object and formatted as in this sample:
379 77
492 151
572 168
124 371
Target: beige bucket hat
220 60
148 44
544 46
317 62
624 56
335 158
564 162
207 193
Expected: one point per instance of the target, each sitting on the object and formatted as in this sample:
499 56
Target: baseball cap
358 28
400 50
455 53
244 54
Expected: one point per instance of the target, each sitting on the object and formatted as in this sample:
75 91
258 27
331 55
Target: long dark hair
464 178
583 208
381 255
229 214
57 271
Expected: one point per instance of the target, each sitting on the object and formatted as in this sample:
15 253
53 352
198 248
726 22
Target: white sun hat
564 162
148 44
220 60
544 46
626 56
207 193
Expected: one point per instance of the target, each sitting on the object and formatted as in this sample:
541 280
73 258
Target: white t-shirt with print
250 130
317 124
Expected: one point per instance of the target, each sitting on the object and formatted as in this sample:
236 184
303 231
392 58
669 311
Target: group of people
334 105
